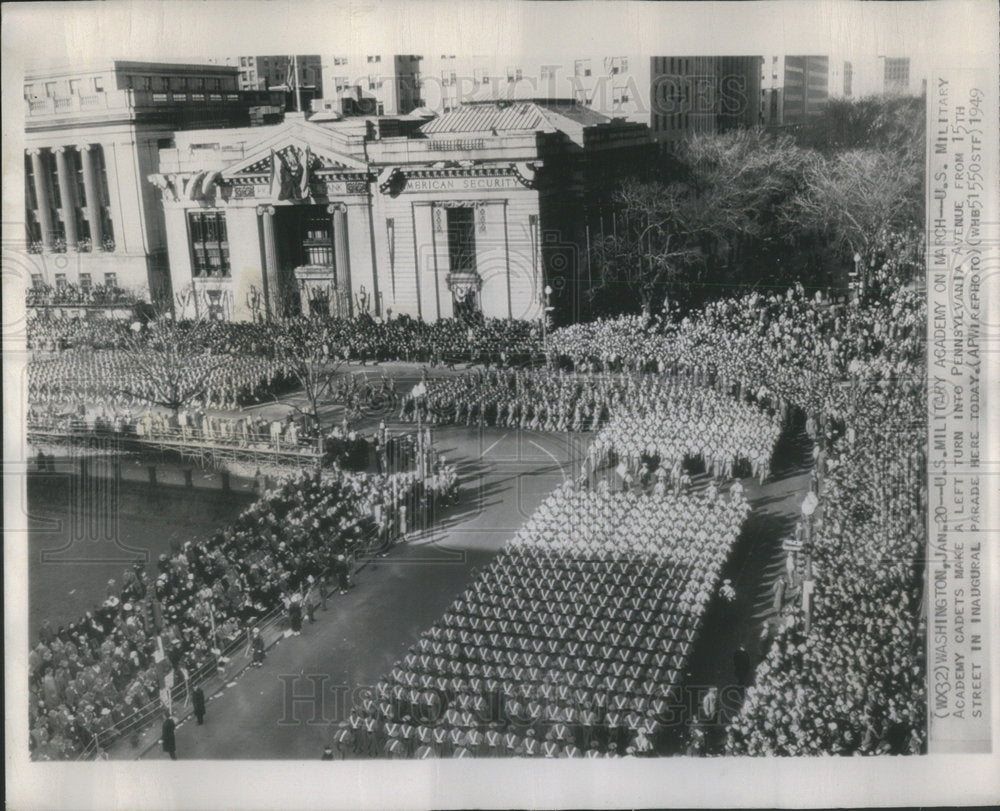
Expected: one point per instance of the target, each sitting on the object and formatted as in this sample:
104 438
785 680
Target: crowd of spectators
494 340
68 295
88 679
844 674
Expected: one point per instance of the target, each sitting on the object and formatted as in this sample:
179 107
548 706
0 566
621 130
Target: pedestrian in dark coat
295 614
167 737
198 699
741 666
257 645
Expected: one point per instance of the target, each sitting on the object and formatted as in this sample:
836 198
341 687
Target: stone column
41 179
341 254
67 191
93 192
272 288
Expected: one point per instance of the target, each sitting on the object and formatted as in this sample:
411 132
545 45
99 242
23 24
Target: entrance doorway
308 275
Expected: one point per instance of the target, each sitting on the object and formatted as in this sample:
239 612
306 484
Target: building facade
703 94
92 137
391 81
794 89
674 96
480 211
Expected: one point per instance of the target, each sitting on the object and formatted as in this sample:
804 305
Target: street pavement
505 475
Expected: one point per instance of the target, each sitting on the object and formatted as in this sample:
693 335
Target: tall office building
794 89
703 94
370 83
674 96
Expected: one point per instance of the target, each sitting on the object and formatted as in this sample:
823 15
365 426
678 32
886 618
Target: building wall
136 220
526 192
87 80
377 74
421 262
801 85
130 110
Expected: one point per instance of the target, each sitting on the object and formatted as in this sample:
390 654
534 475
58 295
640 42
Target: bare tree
726 197
172 363
854 196
304 357
650 247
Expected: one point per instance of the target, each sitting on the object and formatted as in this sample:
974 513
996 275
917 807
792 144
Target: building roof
496 117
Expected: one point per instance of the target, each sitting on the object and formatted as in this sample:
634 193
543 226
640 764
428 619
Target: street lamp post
545 319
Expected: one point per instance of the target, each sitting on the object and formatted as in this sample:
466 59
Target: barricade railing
141 718
175 441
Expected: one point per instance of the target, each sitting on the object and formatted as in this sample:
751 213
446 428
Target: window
581 67
209 243
98 84
85 282
147 82
217 84
340 83
50 89
619 95
111 280
581 97
199 83
164 82
60 281
616 64
37 281
374 59
74 87
29 92
374 82
848 78
461 239
317 246
243 61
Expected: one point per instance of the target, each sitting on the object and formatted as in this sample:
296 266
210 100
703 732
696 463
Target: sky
183 30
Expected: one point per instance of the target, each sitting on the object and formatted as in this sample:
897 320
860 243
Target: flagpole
298 90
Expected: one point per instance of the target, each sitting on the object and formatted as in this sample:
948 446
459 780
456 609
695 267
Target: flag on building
306 173
275 175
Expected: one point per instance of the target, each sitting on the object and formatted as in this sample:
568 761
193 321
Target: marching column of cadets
571 643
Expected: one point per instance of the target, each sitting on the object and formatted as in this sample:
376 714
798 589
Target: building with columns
481 210
92 136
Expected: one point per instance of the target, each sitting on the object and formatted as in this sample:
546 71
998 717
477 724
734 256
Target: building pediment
292 150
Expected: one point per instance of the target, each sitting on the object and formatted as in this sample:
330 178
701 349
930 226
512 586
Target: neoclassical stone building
92 135
481 209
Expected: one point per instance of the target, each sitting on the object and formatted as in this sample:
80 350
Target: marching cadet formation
572 643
